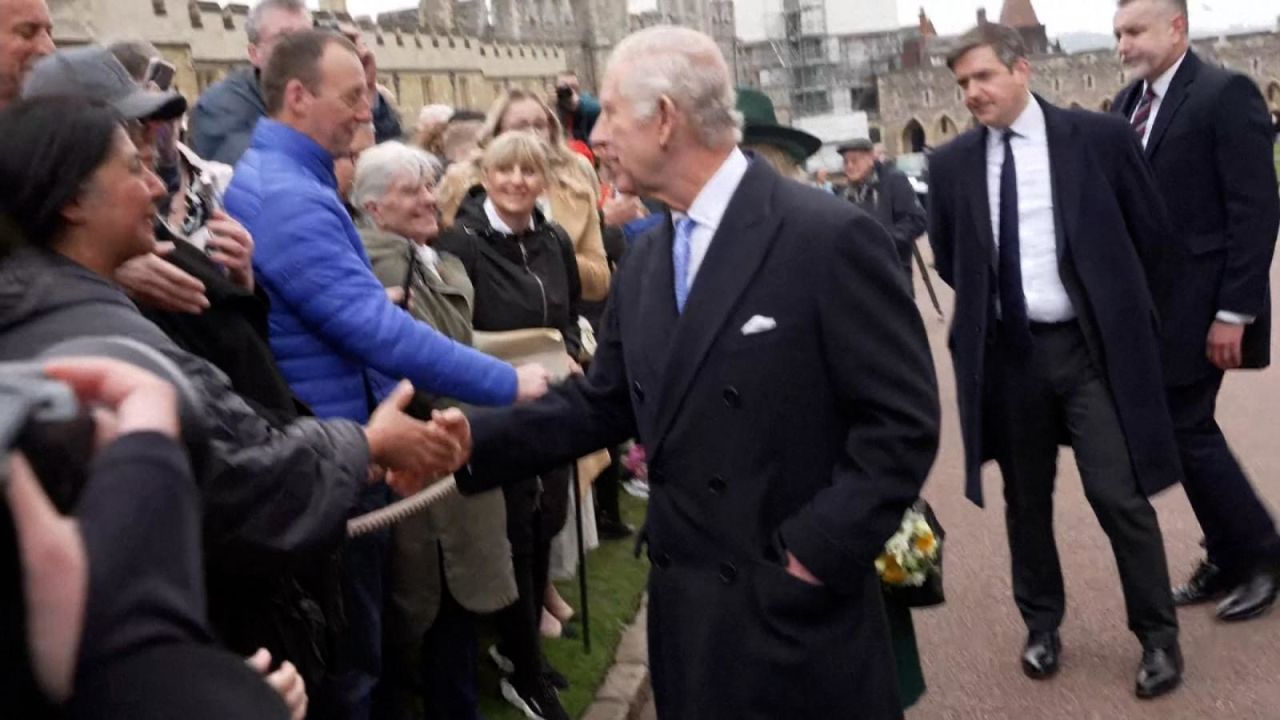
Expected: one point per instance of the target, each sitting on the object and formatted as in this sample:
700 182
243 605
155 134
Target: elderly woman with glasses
454 559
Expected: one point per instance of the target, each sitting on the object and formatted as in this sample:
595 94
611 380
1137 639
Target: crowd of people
271 302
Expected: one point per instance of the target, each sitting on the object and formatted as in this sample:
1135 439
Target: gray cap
859 144
93 72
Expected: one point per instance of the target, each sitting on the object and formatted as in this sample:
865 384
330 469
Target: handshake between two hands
410 454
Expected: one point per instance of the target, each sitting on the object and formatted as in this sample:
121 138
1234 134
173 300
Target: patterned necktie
1142 114
1013 302
680 253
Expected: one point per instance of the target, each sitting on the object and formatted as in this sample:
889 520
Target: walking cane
924 273
582 558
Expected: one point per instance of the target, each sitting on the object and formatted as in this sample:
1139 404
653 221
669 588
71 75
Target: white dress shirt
1159 87
1047 299
496 221
708 208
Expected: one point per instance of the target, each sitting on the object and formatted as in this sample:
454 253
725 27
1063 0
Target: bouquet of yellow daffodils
913 553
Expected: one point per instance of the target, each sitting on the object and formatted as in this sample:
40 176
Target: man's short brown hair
1179 5
297 57
1002 39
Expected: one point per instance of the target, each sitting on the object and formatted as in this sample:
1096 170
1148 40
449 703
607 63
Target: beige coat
470 533
575 206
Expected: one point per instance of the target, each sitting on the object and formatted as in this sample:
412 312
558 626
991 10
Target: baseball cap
94 72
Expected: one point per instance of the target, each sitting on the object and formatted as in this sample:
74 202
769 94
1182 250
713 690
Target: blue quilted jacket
334 333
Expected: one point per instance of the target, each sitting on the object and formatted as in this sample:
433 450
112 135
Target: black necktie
1013 304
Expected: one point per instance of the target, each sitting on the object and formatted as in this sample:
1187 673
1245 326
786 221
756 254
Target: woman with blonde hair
524 273
572 195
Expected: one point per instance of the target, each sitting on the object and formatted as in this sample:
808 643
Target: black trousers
1036 397
1239 532
536 510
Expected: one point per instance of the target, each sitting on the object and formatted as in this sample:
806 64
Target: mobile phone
161 72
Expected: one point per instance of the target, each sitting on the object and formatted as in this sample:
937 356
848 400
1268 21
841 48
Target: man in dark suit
1208 138
1042 220
767 354
886 194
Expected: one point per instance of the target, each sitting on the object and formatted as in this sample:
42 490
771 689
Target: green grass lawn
615 581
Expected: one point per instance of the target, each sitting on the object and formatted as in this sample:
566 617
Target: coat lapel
737 250
1064 171
658 297
976 160
1173 100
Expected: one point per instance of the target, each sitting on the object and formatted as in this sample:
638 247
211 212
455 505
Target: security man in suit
1042 220
762 346
1208 137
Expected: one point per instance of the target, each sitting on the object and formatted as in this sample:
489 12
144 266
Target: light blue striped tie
680 253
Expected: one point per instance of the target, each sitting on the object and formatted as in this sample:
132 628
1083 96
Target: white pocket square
759 324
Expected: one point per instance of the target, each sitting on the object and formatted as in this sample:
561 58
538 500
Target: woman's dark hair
49 148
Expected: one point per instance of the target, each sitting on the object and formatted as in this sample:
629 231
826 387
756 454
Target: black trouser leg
1026 420
1239 531
606 489
449 662
1112 489
530 555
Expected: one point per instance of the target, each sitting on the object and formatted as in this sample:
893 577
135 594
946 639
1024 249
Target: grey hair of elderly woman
382 166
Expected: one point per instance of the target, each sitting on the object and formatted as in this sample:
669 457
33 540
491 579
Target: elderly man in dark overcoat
762 346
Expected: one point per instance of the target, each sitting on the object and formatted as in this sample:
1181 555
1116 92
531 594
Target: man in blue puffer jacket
338 339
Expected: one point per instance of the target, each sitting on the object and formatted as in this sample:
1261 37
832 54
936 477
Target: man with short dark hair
227 112
1045 222
26 35
886 194
340 342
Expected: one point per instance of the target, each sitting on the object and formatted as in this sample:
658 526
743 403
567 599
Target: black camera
44 418
564 97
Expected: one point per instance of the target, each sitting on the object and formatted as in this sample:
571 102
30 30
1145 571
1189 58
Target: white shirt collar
496 222
1029 125
709 207
1161 85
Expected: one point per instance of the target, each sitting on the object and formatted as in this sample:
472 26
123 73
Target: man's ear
254 56
296 97
666 117
75 212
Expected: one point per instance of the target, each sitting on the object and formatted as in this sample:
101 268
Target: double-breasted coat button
728 573
638 389
661 559
732 397
716 485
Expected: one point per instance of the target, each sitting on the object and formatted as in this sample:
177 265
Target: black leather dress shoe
1040 659
1207 583
1160 672
1251 599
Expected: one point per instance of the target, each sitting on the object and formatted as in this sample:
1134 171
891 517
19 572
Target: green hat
760 127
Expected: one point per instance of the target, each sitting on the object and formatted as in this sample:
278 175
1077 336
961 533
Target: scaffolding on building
808 58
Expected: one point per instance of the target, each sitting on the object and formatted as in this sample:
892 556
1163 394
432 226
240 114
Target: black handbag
930 593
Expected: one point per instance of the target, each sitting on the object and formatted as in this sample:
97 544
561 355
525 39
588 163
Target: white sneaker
502 661
540 703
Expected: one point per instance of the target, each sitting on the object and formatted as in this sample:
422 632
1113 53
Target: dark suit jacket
1211 151
898 209
816 434
1111 233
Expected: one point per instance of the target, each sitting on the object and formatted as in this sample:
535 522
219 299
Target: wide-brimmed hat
760 127
93 72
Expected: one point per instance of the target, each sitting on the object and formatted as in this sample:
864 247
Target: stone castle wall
206 41
928 99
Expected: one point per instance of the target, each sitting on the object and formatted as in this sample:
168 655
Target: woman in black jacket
525 276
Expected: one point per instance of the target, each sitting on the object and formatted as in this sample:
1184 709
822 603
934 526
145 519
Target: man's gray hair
687 67
382 166
1004 41
253 24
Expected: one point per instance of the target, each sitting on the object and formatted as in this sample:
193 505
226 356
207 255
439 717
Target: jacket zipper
541 288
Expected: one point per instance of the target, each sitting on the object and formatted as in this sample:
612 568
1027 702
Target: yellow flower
926 543
890 570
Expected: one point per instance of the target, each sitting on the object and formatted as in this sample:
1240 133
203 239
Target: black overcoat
813 435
